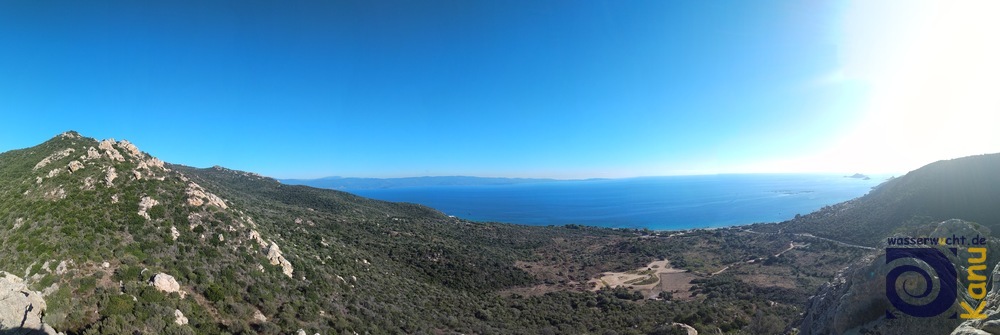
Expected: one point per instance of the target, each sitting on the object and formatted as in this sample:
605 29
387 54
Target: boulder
74 165
179 318
166 283
258 316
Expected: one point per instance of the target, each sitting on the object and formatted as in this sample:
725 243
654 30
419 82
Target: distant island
858 176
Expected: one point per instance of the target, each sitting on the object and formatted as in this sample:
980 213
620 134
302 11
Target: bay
658 203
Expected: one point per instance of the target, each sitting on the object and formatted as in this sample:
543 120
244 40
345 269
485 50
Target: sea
657 203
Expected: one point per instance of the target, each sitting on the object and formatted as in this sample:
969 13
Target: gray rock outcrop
93 153
130 148
74 165
110 177
258 316
110 151
145 204
166 283
197 196
276 258
179 318
20 308
54 157
255 236
855 301
991 324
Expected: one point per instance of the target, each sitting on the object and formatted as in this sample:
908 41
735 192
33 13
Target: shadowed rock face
20 308
855 301
991 324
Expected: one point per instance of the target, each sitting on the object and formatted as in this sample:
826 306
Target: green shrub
119 304
157 212
214 293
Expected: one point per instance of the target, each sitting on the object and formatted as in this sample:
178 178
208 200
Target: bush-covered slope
964 188
89 223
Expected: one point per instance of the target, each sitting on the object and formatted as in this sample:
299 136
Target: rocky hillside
99 237
115 241
964 188
855 300
945 198
87 223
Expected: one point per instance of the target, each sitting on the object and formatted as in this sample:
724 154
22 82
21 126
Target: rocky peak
94 203
109 150
132 196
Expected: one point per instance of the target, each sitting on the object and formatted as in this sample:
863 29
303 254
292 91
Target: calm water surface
655 202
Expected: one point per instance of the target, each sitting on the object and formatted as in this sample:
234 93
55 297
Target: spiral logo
947 280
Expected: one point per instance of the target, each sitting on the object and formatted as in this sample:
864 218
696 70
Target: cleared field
650 280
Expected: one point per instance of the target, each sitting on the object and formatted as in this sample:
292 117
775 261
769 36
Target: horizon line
844 174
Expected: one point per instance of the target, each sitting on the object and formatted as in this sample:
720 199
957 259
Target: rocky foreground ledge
21 309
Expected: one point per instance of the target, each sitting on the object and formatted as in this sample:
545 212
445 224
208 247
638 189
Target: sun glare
932 76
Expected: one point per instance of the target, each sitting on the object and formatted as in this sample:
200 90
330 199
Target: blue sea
658 203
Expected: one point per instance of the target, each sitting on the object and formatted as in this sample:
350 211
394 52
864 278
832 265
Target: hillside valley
107 239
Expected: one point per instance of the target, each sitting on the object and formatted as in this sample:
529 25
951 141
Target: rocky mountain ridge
114 174
144 246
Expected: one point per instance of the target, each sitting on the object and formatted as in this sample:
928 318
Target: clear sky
564 89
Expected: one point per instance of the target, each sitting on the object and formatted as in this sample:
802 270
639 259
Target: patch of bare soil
656 277
678 284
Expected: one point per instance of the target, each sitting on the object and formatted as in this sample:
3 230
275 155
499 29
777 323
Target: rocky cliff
855 301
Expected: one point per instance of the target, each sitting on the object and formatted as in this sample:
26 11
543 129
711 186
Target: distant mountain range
350 183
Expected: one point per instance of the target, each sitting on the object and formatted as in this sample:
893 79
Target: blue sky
564 89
